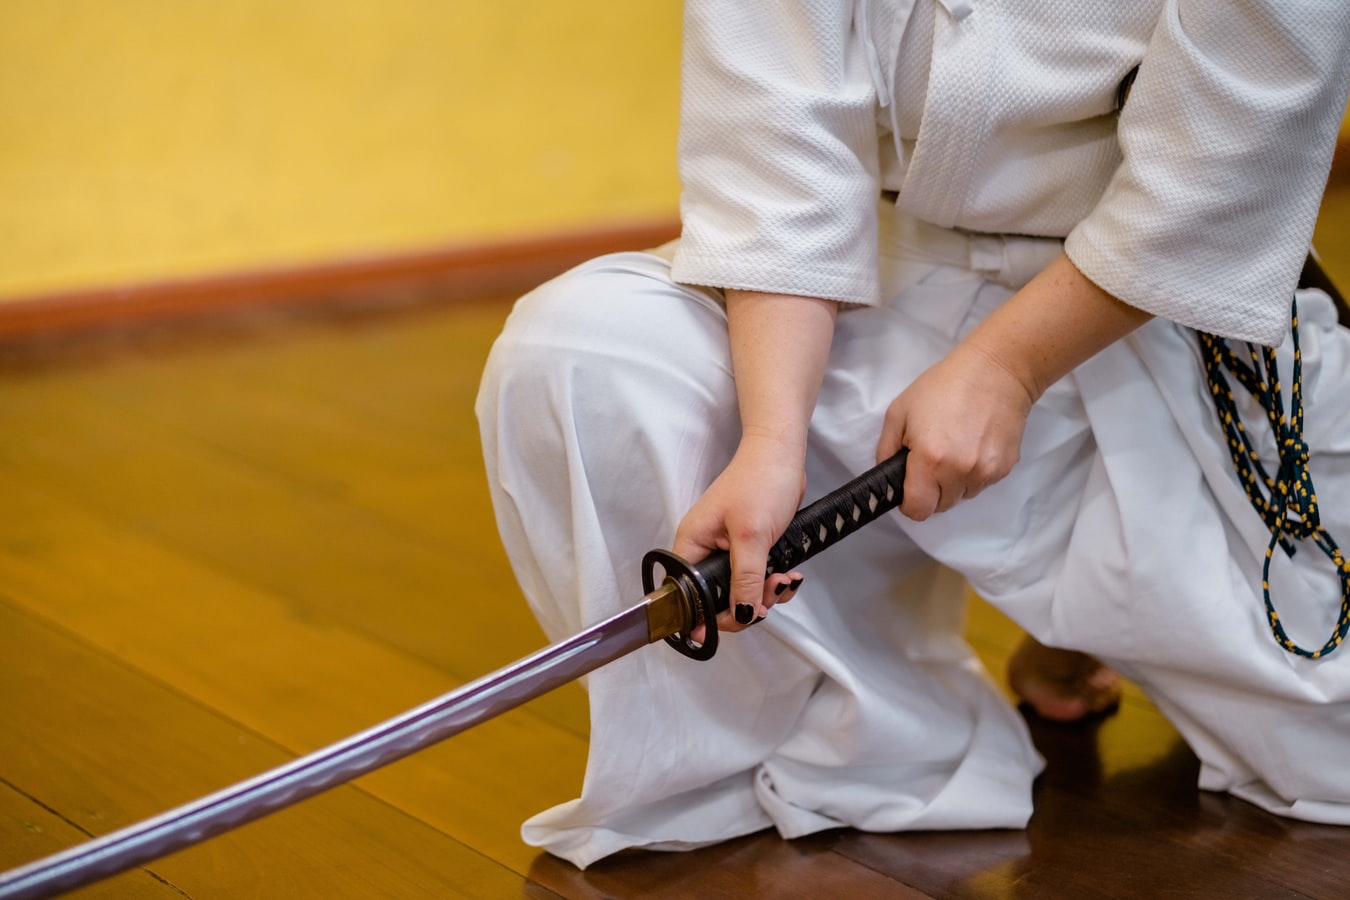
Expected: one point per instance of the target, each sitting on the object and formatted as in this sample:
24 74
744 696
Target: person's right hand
962 421
744 511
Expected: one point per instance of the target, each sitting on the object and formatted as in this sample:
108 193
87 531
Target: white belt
1007 259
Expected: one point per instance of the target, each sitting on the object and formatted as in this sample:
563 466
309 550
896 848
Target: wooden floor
220 551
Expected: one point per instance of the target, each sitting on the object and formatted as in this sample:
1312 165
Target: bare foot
1061 685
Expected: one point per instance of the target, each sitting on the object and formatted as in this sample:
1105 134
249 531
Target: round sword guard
691 583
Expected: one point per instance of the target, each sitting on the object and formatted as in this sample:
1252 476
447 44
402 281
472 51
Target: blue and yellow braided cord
1287 502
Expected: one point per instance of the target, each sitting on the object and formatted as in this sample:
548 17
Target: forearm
1057 321
779 347
963 418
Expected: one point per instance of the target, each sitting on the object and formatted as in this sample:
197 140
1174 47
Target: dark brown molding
453 273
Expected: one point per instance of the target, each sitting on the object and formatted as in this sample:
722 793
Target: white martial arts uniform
608 405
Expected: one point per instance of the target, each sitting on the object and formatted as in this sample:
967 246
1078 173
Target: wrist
1057 321
782 444
779 348
1008 374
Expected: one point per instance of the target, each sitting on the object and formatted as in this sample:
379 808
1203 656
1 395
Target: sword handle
706 584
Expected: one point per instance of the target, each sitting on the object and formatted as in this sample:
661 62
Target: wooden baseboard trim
455 273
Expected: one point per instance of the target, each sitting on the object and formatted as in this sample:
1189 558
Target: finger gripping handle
816 527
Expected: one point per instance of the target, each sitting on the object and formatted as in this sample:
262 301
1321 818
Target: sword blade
652 619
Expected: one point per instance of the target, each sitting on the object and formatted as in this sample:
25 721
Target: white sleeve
778 150
1227 138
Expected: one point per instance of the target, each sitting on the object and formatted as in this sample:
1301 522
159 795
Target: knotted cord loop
1287 503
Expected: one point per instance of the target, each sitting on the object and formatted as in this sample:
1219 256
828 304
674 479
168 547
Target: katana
680 596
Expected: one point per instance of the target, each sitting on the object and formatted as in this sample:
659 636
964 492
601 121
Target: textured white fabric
1201 211
778 150
857 704
607 407
1122 531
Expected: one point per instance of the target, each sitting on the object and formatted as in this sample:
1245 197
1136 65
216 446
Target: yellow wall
142 140
152 139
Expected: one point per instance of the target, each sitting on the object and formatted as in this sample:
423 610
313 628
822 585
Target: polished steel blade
661 612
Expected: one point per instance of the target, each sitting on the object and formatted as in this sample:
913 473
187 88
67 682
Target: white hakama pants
608 405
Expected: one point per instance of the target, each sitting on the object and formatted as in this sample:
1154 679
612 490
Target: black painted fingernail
795 583
745 613
758 619
778 591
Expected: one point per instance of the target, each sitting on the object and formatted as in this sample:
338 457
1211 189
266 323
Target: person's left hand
744 511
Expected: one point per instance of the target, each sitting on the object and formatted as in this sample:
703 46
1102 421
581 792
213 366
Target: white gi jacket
1195 203
608 405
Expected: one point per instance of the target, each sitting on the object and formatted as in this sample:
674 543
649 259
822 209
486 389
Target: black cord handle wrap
822 524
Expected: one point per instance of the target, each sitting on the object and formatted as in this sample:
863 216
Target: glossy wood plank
1079 843
104 746
299 680
29 830
1158 798
761 865
435 487
430 598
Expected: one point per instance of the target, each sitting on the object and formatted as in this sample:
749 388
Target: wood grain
103 746
217 554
